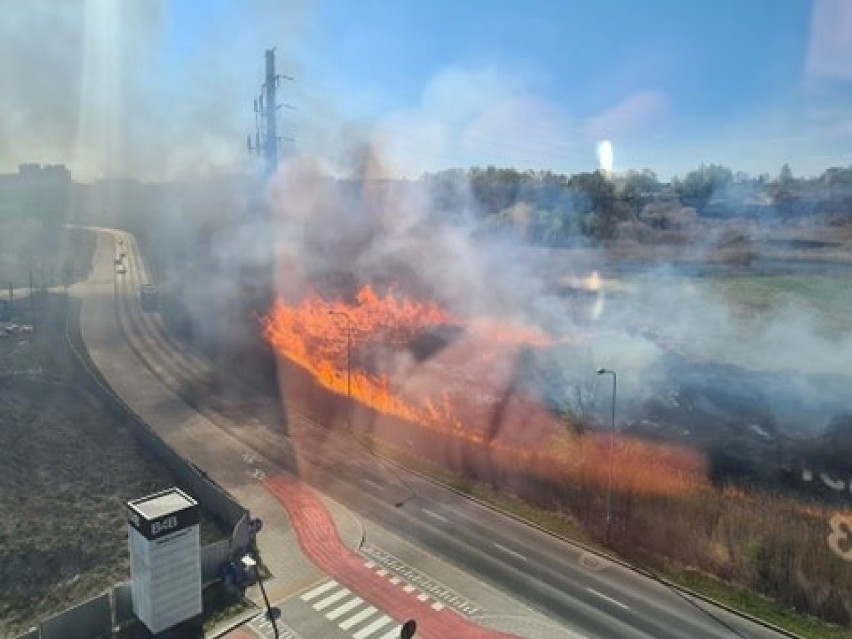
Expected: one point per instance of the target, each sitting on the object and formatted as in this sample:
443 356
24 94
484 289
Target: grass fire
414 361
478 367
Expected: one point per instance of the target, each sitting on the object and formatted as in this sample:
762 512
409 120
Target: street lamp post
605 371
348 351
399 503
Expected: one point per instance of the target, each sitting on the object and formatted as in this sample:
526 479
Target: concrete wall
122 603
95 618
208 493
86 621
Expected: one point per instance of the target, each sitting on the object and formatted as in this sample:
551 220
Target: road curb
683 590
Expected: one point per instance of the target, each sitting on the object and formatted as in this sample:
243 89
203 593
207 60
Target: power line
266 108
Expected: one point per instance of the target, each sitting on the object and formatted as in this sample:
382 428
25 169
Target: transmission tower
266 107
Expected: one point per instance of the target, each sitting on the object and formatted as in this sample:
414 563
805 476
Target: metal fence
213 558
90 619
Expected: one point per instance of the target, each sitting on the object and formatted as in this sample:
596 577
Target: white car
121 269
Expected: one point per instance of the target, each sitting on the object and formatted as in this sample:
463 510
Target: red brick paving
320 541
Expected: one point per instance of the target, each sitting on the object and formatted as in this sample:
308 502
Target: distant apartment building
47 172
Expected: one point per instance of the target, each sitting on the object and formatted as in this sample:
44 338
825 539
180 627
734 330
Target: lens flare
593 282
605 156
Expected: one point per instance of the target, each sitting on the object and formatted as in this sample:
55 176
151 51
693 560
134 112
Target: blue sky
161 88
714 58
536 84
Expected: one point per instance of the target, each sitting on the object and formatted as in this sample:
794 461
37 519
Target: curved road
536 576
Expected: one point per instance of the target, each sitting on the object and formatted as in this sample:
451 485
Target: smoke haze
696 354
115 89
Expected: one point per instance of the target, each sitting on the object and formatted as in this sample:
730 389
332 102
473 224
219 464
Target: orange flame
319 335
316 335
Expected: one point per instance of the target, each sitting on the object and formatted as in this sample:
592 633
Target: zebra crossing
351 613
263 627
384 564
358 619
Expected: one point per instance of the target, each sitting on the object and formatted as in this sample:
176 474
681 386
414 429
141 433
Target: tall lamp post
348 351
400 503
606 371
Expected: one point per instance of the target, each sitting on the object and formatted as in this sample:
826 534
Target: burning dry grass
638 466
463 408
466 392
320 337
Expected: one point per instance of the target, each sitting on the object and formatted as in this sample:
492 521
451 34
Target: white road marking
413 582
609 599
342 610
435 515
356 619
337 596
316 592
393 634
422 596
510 551
265 628
365 632
437 606
370 564
374 484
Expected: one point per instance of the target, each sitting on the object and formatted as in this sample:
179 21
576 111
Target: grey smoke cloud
39 111
145 88
651 327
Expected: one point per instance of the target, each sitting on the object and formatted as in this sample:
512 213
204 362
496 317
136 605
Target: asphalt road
582 591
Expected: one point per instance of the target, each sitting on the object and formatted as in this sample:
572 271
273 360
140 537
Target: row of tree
556 209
